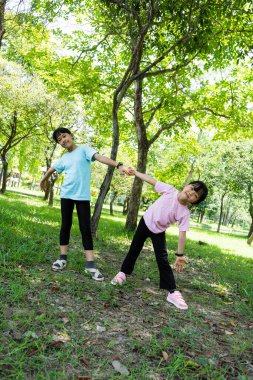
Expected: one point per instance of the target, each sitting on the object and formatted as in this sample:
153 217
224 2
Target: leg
141 234
167 280
83 212
67 206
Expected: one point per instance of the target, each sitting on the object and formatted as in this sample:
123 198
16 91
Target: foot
59 265
95 274
119 279
177 299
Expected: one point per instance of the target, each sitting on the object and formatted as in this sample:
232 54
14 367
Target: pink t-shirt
166 210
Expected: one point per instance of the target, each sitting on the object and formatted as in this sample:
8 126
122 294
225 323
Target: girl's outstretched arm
143 177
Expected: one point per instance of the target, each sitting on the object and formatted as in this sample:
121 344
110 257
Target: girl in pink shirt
171 207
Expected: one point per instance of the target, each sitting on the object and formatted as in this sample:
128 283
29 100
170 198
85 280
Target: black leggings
167 280
83 213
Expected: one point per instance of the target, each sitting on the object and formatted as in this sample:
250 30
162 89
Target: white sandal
59 264
95 274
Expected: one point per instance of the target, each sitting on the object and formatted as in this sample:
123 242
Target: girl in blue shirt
76 165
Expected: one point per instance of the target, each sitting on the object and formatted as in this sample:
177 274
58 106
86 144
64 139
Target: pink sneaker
177 300
119 279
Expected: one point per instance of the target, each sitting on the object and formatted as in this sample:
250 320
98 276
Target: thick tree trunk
251 228
101 197
221 212
4 173
108 178
134 203
135 198
250 237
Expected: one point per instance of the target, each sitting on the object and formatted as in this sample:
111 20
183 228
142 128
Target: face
65 140
188 195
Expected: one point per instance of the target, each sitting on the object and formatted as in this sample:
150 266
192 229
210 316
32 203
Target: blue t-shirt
76 166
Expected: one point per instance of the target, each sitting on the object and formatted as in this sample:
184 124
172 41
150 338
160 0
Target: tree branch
154 110
90 49
178 118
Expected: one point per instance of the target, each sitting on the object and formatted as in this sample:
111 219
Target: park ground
58 326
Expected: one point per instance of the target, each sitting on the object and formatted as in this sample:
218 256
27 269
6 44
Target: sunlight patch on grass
232 245
112 217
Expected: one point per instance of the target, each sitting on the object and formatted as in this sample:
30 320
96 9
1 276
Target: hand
124 170
179 263
131 171
43 185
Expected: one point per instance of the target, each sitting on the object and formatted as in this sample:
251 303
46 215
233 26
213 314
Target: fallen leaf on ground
100 329
165 356
229 332
120 367
192 364
63 337
85 361
30 334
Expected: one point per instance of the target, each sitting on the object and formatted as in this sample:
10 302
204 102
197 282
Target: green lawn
65 326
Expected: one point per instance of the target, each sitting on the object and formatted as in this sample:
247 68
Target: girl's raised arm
144 177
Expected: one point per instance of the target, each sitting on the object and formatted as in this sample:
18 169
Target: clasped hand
127 170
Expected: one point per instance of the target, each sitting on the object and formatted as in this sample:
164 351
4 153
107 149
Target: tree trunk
134 203
226 216
250 238
108 178
113 197
202 214
126 205
51 196
1 175
221 212
190 174
100 200
4 173
2 20
233 221
47 192
51 188
250 211
250 234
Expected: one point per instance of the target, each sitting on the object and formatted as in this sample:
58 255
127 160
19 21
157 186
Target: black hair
58 131
201 189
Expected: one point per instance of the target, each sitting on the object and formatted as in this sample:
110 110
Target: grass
65 326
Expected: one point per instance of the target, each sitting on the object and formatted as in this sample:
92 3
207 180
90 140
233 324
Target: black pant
167 280
83 213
